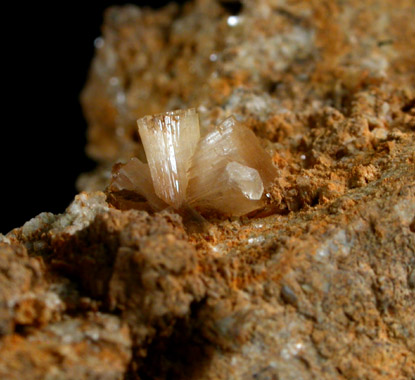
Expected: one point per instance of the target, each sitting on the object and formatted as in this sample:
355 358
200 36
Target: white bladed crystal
135 176
169 140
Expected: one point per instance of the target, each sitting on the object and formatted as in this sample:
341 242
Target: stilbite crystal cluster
226 170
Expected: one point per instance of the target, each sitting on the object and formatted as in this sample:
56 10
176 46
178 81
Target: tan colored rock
21 279
93 347
280 61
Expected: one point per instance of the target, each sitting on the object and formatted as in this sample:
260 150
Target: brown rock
92 347
22 290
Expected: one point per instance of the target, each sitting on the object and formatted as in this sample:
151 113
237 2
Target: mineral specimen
225 171
318 285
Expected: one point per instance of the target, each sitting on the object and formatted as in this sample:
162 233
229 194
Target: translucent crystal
135 176
169 141
229 170
237 190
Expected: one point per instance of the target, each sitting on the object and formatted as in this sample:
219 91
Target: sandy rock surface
320 284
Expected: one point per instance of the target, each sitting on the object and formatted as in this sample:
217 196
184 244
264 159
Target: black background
47 53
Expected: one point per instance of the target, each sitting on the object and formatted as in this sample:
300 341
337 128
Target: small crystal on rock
226 170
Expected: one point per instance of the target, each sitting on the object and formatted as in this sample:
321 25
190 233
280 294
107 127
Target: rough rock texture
320 284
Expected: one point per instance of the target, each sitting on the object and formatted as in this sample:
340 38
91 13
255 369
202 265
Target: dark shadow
184 355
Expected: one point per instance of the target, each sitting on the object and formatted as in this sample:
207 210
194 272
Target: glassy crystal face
235 190
243 144
226 171
169 141
246 179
